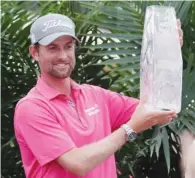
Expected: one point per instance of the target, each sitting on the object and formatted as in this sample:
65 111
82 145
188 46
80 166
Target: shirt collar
50 92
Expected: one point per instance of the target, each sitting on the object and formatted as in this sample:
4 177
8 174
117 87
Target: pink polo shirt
48 124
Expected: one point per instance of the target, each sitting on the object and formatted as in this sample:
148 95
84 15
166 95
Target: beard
61 70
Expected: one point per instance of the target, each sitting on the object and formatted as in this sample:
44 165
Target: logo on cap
54 23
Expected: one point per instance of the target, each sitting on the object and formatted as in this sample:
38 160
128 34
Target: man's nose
63 56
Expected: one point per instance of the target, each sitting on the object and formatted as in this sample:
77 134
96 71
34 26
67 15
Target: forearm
90 156
96 153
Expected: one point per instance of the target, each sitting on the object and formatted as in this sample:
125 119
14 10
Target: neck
62 85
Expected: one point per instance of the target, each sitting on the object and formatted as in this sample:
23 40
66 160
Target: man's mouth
61 66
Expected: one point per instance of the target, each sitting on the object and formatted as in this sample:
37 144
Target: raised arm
84 159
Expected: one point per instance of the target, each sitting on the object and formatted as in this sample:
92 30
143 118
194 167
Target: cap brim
50 38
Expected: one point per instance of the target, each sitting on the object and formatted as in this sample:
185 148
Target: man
67 130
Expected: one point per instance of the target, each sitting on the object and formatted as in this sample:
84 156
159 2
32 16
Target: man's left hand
180 31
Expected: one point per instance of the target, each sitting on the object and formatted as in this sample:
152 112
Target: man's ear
34 52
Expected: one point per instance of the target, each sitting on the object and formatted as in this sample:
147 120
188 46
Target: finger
162 113
181 43
173 115
180 37
180 31
179 23
179 28
165 120
143 100
161 120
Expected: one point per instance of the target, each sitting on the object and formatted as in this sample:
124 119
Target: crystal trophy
161 62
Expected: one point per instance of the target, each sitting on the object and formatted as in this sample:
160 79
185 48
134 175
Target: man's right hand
143 118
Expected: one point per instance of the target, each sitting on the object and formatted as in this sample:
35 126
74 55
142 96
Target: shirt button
71 103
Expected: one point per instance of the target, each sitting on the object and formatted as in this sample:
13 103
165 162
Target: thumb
143 100
179 23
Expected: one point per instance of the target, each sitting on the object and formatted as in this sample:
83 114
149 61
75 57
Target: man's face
57 58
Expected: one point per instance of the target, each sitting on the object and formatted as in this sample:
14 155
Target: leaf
110 11
184 10
115 52
115 26
189 124
131 169
121 60
127 67
112 45
158 140
120 36
166 149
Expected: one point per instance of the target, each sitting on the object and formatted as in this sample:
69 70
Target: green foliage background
109 55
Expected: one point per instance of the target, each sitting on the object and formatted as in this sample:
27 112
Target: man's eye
68 46
52 48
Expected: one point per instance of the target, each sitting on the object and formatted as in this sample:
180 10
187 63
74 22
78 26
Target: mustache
56 63
66 61
71 64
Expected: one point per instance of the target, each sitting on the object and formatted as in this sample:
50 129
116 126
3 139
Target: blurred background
109 55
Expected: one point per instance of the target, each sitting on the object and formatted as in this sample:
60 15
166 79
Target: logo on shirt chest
72 104
92 110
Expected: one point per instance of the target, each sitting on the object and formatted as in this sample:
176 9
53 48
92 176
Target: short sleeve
120 107
37 125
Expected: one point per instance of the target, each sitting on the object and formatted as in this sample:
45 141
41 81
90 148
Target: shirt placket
74 103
